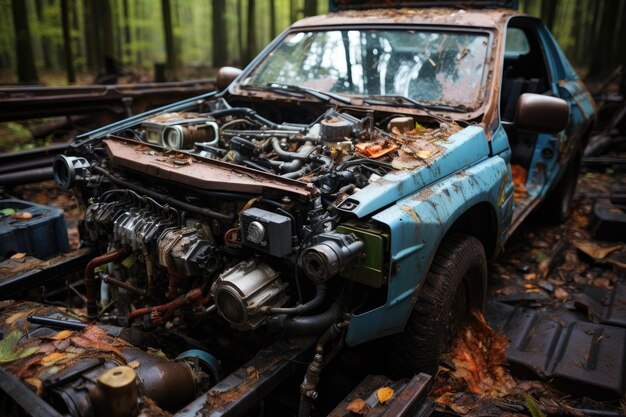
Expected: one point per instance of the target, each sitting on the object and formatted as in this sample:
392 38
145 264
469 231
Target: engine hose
90 280
308 388
192 297
305 150
316 301
309 325
172 201
297 174
244 111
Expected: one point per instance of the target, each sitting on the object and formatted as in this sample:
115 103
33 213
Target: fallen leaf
133 364
530 276
9 350
22 215
7 211
384 394
52 358
561 294
63 334
16 316
35 383
596 250
19 255
357 406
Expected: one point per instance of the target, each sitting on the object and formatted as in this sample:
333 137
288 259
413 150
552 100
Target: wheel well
481 222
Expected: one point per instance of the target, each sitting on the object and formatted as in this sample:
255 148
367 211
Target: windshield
433 67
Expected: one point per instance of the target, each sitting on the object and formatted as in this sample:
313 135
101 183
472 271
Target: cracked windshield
436 68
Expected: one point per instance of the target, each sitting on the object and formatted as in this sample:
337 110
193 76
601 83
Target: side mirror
225 76
541 114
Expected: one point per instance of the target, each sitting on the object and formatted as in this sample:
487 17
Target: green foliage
139 40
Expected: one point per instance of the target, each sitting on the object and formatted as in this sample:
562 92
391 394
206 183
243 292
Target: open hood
337 5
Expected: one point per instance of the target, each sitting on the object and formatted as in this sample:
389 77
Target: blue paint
460 150
418 223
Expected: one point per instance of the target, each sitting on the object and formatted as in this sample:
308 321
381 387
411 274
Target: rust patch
216 399
205 173
408 210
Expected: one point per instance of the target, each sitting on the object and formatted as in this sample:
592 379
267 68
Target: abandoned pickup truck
348 186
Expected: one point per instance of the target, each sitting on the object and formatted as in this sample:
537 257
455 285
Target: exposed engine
219 225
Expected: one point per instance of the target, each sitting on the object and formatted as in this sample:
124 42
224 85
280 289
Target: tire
456 283
558 204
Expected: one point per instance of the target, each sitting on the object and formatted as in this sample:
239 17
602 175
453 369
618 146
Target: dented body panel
418 224
306 202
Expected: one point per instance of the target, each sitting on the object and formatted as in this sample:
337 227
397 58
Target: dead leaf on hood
357 406
55 357
384 394
63 334
9 349
595 249
18 255
19 315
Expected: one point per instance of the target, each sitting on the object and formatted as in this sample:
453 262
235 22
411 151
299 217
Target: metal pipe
27 176
90 280
65 324
168 308
172 201
124 285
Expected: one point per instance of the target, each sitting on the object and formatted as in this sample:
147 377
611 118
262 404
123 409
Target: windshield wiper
297 91
403 101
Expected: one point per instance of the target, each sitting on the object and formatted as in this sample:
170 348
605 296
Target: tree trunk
26 70
67 42
252 35
310 7
603 60
44 40
106 29
172 61
220 50
273 18
292 10
92 45
242 47
548 12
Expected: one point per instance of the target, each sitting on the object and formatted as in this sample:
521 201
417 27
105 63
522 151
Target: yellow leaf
133 364
22 215
63 334
52 358
19 315
19 255
357 406
384 394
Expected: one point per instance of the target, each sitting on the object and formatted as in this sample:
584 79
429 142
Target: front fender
417 225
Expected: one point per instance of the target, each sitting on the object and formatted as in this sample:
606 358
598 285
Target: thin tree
26 70
251 32
548 12
310 7
220 50
67 42
273 18
172 59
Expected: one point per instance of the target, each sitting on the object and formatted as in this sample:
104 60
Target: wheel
456 283
558 204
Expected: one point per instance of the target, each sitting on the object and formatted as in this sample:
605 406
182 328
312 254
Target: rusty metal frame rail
248 385
19 103
12 390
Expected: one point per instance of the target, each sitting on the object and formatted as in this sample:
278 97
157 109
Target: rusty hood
203 173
